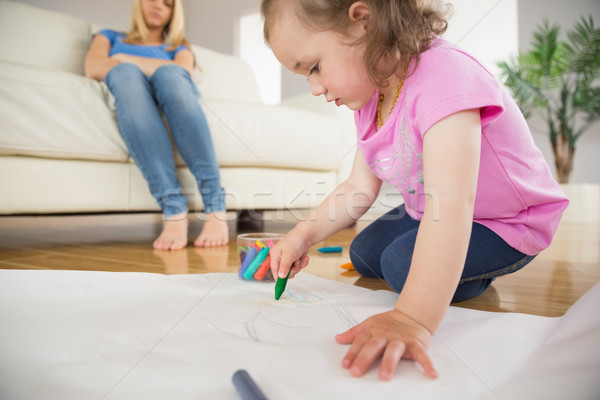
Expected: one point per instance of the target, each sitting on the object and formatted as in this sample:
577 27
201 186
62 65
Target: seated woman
149 70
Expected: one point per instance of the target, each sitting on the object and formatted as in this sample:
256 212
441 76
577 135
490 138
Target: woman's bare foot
174 235
215 231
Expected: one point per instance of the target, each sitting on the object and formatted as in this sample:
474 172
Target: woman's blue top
141 50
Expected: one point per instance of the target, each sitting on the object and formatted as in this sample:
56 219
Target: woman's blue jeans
139 101
384 250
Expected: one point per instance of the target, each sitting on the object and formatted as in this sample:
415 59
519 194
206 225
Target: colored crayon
335 249
247 260
280 285
347 266
256 263
263 269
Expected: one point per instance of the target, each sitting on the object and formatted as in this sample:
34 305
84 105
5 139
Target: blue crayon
247 260
335 249
255 264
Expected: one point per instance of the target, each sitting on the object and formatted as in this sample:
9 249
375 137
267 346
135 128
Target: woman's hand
183 58
146 64
392 335
291 252
124 57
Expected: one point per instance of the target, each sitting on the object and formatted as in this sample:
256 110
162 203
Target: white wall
213 23
208 23
111 13
487 29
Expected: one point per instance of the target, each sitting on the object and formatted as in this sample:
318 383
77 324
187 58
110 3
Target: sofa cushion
252 134
56 114
42 38
225 77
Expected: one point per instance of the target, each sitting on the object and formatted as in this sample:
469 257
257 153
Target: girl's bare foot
215 231
174 234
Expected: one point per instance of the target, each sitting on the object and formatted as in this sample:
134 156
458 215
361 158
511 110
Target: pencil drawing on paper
343 313
253 333
294 319
308 300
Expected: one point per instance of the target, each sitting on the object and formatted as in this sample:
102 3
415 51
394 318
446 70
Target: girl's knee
469 289
363 259
395 266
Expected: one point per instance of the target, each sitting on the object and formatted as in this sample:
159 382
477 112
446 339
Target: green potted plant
558 79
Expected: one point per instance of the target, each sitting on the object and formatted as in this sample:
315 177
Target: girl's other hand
291 252
391 335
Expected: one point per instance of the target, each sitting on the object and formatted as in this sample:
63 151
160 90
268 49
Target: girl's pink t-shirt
517 197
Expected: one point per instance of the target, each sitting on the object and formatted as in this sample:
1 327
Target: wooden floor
548 286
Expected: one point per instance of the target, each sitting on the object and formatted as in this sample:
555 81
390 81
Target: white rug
103 335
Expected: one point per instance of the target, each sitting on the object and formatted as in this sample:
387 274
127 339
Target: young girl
148 70
479 199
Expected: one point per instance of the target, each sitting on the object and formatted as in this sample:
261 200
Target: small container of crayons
254 249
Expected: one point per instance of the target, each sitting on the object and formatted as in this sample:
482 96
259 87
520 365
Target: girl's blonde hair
398 29
173 33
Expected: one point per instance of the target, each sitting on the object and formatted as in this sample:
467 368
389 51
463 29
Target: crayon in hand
280 285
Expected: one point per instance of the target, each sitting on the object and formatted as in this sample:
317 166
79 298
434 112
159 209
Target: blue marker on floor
246 387
335 249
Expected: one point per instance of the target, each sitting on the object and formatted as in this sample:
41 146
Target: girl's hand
392 335
291 252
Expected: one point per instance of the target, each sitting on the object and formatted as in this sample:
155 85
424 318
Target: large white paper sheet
101 335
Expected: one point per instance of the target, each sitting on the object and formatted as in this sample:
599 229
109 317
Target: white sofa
61 151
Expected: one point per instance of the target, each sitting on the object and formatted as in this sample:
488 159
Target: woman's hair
398 29
173 33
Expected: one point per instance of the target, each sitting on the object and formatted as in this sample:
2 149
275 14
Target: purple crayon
247 260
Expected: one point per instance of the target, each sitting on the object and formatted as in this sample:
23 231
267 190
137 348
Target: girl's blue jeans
139 101
384 250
